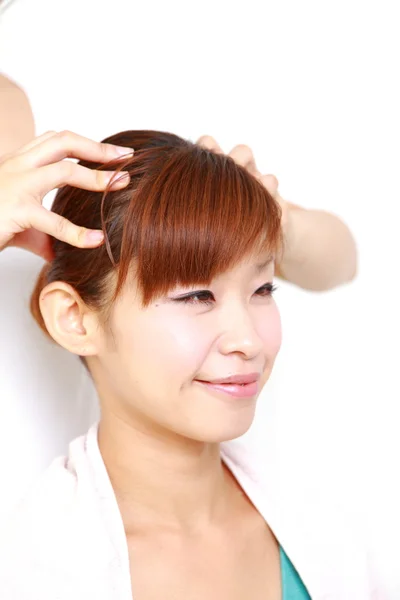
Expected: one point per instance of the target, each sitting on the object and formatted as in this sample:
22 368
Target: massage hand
243 155
34 170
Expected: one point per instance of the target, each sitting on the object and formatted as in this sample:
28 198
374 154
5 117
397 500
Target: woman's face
150 369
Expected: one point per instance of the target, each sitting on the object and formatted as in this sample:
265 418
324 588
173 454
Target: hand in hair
243 155
320 250
27 175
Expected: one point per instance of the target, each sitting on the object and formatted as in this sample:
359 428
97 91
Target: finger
271 183
36 141
71 145
57 226
208 142
243 155
46 178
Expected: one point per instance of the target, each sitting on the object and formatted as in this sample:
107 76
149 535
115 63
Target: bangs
193 215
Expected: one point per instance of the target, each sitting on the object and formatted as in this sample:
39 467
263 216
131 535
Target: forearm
320 251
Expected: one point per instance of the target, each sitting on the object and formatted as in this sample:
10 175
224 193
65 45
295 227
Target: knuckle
245 151
67 170
19 203
80 235
61 228
272 181
101 179
107 151
65 136
207 141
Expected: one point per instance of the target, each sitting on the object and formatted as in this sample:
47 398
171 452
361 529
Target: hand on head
34 170
243 155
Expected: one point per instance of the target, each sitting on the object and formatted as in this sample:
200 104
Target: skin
29 174
320 251
17 126
160 429
181 342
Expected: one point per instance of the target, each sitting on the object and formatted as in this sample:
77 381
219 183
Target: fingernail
121 151
95 236
120 179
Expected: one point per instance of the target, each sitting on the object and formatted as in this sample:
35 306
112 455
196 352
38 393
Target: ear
69 321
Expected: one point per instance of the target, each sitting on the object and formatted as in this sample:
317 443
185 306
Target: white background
312 87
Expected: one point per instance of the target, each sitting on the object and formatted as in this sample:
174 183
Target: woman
319 254
156 499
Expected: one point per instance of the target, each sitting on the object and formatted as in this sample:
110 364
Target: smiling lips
239 379
239 386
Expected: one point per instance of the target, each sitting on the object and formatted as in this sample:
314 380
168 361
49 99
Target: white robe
66 539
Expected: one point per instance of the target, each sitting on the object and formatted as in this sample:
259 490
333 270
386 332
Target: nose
239 333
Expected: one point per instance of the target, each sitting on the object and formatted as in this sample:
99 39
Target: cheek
186 344
269 329
175 347
171 346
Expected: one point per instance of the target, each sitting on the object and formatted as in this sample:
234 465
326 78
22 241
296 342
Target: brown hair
187 215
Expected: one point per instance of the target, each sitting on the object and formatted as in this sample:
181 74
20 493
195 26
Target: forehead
257 263
263 262
248 268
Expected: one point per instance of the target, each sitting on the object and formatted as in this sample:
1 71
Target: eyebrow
259 267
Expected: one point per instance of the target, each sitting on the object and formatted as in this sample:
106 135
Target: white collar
322 545
318 540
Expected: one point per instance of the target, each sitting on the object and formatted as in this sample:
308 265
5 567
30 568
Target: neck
163 479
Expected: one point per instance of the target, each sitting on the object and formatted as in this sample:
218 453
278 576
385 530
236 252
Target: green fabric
292 586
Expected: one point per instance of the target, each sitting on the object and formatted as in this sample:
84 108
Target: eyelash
190 298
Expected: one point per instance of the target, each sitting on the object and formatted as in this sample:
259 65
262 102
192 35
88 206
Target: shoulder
16 118
31 539
56 536
322 539
58 522
8 84
37 515
12 95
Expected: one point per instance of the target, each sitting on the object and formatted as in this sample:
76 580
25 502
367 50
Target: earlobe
68 320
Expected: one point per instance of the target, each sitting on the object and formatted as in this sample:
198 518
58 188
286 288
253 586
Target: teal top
292 586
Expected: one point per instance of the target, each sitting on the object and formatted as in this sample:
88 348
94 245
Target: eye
200 297
266 290
206 297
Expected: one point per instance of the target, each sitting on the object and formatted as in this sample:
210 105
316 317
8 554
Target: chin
223 430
